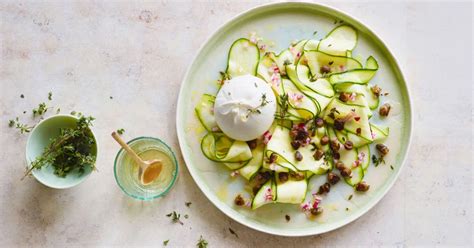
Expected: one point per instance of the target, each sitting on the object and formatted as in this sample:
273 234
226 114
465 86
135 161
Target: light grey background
138 53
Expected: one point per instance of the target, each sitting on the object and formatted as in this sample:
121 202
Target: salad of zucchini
321 126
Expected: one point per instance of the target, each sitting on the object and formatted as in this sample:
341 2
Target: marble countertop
88 52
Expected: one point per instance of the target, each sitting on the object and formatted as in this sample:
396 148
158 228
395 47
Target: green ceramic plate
283 23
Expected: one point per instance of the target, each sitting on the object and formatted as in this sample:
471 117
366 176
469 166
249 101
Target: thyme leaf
202 243
175 217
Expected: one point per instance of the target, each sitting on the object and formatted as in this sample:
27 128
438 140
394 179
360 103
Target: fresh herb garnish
347 209
315 32
71 150
391 167
11 123
165 243
350 198
202 243
23 128
283 106
50 95
175 217
188 204
287 218
111 97
73 112
377 160
58 110
22 96
186 216
233 232
263 102
121 131
40 110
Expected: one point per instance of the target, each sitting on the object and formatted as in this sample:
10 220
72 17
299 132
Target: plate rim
335 225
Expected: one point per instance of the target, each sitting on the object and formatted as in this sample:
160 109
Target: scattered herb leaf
121 131
165 243
202 243
22 96
391 167
347 209
186 216
287 218
50 95
233 232
350 197
58 110
315 32
175 217
188 204
40 110
111 97
11 123
377 160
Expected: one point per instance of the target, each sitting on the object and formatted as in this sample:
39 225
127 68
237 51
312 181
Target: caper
346 172
273 158
376 90
295 144
344 96
348 145
335 145
318 154
283 176
324 140
383 149
325 69
298 156
362 186
319 122
333 178
385 109
340 165
339 124
239 201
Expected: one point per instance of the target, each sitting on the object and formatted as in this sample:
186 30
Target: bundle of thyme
70 151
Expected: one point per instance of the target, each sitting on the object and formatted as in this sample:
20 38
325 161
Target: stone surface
85 52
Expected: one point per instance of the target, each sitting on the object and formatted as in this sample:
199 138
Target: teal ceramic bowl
40 138
126 172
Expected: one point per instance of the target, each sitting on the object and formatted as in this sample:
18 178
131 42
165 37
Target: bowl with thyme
61 151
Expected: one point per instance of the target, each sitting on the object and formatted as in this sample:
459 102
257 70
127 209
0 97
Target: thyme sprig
284 104
23 128
256 110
